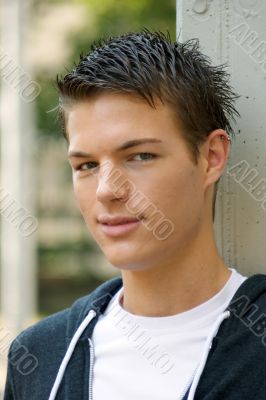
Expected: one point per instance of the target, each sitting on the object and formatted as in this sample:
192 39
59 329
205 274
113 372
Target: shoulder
36 353
252 290
51 336
63 323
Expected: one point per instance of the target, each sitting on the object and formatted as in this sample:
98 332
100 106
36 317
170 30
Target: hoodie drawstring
88 319
205 352
69 353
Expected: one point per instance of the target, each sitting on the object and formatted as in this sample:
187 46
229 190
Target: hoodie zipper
71 348
189 383
187 386
198 372
91 367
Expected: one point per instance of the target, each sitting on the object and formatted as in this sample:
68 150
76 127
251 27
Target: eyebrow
124 146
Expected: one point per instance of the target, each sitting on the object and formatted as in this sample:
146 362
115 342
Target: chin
128 262
123 263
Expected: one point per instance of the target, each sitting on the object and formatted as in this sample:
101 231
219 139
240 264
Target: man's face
161 172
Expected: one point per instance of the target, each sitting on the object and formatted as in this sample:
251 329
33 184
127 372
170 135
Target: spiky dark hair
148 65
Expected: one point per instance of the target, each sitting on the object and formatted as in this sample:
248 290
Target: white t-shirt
138 357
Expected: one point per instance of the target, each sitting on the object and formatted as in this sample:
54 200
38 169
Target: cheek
172 187
179 194
83 195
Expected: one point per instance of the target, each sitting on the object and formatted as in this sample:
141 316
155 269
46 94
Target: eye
145 156
86 166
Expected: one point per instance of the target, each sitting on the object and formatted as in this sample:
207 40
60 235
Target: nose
112 184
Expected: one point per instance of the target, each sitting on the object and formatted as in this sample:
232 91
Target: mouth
121 228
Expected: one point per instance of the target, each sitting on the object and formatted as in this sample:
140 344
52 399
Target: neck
188 279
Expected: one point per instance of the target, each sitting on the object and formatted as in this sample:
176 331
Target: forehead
111 115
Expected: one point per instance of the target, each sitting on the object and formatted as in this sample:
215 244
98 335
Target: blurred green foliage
115 17
107 18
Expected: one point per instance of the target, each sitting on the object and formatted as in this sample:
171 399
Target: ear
215 152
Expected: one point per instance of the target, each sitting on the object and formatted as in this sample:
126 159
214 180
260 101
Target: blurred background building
57 262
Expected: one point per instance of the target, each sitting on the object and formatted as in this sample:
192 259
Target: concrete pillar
234 32
18 224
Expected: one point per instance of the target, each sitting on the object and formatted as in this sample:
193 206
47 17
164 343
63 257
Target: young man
148 128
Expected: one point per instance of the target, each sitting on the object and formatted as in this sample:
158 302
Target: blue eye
91 165
145 156
80 167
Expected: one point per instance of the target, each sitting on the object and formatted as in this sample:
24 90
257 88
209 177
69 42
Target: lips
117 220
119 225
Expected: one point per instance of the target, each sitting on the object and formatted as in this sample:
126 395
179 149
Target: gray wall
234 32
